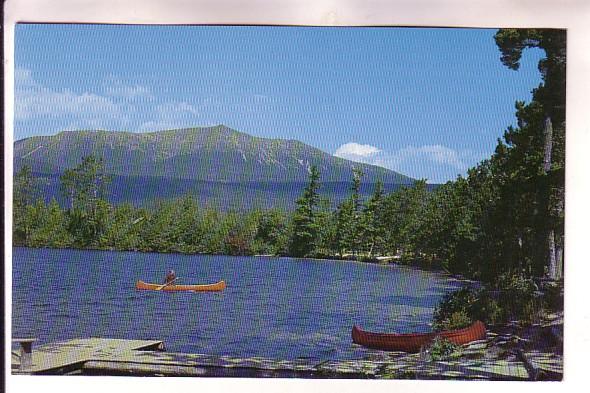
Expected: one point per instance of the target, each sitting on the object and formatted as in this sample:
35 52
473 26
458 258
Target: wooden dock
105 356
69 356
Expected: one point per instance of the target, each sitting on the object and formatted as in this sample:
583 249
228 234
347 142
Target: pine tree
51 227
372 228
305 226
85 188
535 154
24 194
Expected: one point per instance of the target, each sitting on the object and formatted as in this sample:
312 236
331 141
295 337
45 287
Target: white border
570 14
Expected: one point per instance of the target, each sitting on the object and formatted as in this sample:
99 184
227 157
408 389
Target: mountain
221 166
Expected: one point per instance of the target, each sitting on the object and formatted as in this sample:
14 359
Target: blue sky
428 103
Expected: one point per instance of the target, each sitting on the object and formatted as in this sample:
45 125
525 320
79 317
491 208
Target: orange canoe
413 342
219 286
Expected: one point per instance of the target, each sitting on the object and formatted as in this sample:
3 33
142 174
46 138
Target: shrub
442 349
512 297
458 320
553 297
488 310
518 296
455 310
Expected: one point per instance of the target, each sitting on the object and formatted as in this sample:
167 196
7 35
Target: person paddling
171 276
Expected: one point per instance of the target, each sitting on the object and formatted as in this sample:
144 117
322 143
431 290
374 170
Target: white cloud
22 78
437 163
115 87
434 153
171 115
33 99
175 109
120 106
356 152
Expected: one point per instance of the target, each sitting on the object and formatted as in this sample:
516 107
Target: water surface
273 307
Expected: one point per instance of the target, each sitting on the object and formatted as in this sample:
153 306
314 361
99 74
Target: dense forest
506 216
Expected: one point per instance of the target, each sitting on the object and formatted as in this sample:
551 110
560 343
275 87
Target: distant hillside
221 166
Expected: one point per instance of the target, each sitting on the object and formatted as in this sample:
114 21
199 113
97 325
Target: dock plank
188 364
104 356
70 353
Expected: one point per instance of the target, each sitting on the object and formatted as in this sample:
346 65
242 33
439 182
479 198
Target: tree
403 214
344 230
123 228
356 230
187 228
372 222
348 234
160 233
305 226
51 227
536 149
85 188
241 238
24 194
272 232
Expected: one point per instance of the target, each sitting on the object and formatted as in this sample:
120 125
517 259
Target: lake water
282 308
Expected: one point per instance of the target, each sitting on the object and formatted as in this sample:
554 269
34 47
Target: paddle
165 285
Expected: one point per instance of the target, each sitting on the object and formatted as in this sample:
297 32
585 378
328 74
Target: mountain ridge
173 162
171 153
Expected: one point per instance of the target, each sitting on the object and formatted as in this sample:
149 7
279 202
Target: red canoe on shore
413 342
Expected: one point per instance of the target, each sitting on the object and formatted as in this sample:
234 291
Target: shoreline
511 344
512 352
381 260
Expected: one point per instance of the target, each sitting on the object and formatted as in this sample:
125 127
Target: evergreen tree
344 218
326 229
160 233
404 212
85 189
186 222
24 194
50 227
535 154
272 233
372 228
305 226
123 229
355 239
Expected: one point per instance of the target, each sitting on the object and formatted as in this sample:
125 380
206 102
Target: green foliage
458 320
518 297
272 234
404 210
372 224
553 297
533 157
85 184
85 188
50 228
124 228
24 194
305 225
441 349
456 310
513 297
492 225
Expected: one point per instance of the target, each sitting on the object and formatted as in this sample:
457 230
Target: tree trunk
552 260
552 272
559 260
548 145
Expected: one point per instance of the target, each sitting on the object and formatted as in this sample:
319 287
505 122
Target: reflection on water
272 307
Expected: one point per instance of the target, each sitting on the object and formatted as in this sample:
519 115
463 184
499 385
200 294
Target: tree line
355 229
505 216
